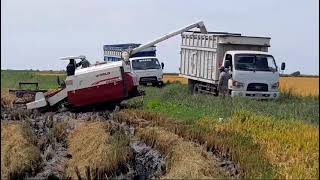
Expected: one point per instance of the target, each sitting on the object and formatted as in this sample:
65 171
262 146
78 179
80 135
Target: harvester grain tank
101 83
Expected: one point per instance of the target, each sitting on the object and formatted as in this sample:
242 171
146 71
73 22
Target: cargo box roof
226 34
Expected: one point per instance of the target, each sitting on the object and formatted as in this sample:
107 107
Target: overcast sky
35 33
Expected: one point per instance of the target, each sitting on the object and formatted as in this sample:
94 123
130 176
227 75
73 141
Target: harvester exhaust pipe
126 54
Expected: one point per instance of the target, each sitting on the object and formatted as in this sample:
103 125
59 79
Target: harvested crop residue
20 156
95 152
7 99
184 159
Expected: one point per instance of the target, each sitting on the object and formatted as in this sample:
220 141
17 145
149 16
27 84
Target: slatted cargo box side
202 54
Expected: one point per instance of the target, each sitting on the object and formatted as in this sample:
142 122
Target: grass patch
95 152
11 79
20 156
175 101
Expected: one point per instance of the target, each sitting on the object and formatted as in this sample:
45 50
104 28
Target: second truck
144 64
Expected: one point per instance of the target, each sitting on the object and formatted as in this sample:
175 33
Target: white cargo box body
202 54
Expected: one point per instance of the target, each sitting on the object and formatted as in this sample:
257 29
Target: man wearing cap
223 81
84 63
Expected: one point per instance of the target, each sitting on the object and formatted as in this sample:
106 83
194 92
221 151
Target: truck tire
160 84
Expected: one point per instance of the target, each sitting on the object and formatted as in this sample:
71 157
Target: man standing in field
223 81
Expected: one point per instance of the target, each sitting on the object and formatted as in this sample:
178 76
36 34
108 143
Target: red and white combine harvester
100 83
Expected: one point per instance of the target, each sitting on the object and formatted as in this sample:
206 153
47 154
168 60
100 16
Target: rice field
300 86
163 135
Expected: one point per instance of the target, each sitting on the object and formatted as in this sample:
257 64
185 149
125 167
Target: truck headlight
237 84
275 85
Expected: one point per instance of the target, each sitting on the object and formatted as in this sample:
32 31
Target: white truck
148 70
254 72
144 63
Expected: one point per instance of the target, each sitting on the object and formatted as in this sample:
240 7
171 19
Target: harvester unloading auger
101 83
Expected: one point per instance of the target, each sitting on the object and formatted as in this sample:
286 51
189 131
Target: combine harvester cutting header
100 83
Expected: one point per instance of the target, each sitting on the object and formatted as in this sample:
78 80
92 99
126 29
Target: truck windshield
254 62
143 64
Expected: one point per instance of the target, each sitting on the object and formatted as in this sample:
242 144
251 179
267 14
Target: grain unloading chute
101 83
126 54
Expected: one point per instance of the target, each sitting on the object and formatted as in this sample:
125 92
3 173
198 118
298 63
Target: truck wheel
216 92
160 84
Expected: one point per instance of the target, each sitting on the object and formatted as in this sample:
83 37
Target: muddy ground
146 163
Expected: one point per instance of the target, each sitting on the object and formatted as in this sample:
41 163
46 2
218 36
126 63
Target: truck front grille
257 87
148 79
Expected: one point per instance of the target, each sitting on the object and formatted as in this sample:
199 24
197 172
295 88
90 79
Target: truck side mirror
283 66
162 65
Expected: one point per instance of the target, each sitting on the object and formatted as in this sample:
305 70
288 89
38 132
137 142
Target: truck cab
143 64
148 70
254 74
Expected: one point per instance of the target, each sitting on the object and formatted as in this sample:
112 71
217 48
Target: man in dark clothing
223 81
71 67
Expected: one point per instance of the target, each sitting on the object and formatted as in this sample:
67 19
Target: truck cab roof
145 57
246 52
